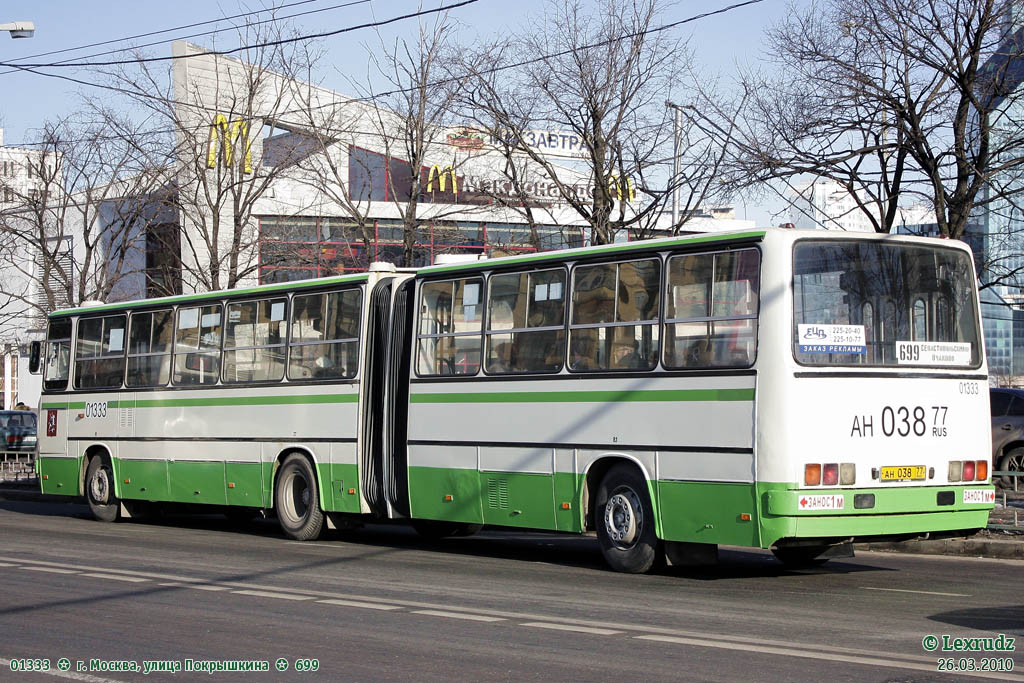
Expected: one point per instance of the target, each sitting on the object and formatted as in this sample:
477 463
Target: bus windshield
883 304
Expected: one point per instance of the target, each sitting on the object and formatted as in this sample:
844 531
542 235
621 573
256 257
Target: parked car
1007 434
17 431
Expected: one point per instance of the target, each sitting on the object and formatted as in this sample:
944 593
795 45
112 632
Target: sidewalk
987 543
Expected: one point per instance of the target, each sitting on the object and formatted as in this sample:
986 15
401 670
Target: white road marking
73 675
117 577
197 586
567 627
904 590
279 596
456 615
7 564
355 603
820 654
53 570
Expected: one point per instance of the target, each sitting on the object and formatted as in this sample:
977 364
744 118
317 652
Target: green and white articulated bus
777 389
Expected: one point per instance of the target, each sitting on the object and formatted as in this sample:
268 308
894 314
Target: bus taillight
981 470
955 470
812 475
968 470
830 474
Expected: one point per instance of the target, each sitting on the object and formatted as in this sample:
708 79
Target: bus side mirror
34 354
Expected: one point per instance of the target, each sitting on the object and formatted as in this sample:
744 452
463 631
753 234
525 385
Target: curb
996 548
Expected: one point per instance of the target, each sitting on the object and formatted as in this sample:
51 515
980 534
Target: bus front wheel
625 521
99 489
296 500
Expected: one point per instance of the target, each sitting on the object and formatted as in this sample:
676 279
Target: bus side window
254 341
615 309
149 348
711 314
99 352
450 326
525 322
324 342
197 345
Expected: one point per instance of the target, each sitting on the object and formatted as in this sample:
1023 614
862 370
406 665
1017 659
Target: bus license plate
909 473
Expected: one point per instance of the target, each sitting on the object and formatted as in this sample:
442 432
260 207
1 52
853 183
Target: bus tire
296 501
625 521
1010 462
99 489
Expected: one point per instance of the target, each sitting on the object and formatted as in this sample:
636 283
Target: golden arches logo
441 174
224 136
622 189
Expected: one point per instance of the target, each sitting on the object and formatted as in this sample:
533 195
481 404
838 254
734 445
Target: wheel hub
99 486
623 517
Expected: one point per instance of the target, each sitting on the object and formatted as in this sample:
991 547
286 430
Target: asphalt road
382 604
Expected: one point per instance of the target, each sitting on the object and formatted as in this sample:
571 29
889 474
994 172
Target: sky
719 43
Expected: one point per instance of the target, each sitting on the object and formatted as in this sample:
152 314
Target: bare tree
602 75
71 236
215 111
897 101
410 122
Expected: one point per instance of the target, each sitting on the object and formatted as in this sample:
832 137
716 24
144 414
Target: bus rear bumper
896 514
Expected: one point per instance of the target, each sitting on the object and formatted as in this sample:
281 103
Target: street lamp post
677 125
19 29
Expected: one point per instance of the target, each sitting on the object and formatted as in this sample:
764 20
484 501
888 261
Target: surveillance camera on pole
19 29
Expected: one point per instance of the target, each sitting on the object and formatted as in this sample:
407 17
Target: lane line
825 656
8 564
117 577
567 627
72 675
457 615
904 590
364 605
52 570
278 596
196 586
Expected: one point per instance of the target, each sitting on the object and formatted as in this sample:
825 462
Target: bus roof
218 294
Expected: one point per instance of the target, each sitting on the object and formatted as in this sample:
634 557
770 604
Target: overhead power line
241 48
376 96
202 33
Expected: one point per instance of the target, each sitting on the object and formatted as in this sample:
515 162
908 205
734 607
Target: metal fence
17 466
1012 503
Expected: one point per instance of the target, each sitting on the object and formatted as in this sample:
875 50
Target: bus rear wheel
625 521
99 489
296 500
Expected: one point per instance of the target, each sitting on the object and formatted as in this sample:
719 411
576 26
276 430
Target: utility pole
677 126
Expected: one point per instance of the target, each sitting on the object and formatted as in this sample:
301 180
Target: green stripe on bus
584 252
246 401
613 396
214 401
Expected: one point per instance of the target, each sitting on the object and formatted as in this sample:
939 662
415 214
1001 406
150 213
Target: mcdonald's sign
224 139
623 190
440 174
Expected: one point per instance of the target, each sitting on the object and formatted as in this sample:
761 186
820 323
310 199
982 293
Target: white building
825 204
20 182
